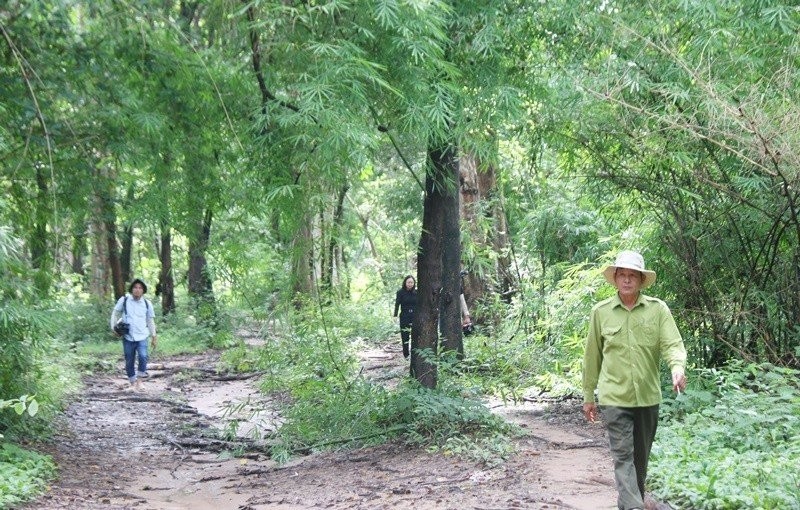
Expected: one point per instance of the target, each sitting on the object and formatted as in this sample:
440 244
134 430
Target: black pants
405 334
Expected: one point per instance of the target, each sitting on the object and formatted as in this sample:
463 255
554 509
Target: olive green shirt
624 349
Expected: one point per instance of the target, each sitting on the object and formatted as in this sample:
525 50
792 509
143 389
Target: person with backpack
133 319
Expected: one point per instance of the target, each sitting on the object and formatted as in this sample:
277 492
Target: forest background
287 163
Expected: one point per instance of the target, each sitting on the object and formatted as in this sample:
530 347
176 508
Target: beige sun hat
630 260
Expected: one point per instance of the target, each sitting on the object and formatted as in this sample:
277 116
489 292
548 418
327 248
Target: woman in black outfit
406 301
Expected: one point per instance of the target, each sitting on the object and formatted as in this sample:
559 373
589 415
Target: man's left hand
153 342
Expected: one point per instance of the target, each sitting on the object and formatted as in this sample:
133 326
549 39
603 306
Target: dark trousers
631 431
405 334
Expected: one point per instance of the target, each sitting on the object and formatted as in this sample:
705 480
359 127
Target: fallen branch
569 446
376 367
236 377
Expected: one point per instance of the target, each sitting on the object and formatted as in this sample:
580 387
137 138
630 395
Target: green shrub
450 423
330 405
23 474
733 443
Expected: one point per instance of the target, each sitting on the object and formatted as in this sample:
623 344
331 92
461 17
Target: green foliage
688 126
24 404
667 126
329 415
329 405
23 474
28 352
732 442
453 424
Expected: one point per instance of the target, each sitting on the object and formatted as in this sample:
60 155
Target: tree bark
41 260
475 287
481 196
440 181
333 268
450 307
127 243
424 331
99 266
103 189
303 263
78 250
199 281
165 288
498 236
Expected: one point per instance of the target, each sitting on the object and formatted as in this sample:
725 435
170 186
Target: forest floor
158 448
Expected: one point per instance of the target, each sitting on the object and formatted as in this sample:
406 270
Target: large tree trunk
498 236
165 288
475 287
440 187
450 306
199 281
424 331
105 205
99 278
481 196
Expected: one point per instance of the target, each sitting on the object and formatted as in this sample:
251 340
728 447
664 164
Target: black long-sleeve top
405 301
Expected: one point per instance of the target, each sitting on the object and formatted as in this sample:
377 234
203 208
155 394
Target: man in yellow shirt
629 335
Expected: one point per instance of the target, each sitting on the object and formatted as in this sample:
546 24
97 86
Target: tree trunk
41 260
100 269
165 288
440 182
498 236
334 243
113 258
78 250
424 331
127 243
450 307
303 263
475 287
103 191
199 281
368 235
480 195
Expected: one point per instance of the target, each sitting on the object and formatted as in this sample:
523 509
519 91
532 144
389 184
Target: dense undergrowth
733 442
331 404
23 473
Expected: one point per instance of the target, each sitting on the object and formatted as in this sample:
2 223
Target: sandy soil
160 448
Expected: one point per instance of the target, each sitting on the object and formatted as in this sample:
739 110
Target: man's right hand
590 411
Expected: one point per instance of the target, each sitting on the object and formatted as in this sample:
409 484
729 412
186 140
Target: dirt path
159 449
